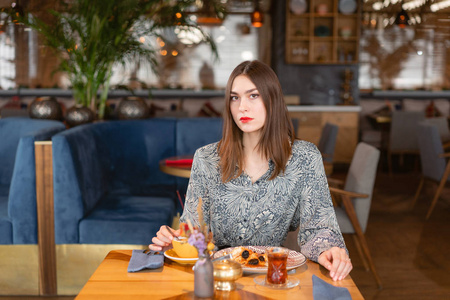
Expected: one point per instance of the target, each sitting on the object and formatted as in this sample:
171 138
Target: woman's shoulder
301 147
207 151
303 154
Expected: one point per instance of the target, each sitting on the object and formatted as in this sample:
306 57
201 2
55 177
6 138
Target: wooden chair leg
360 252
439 190
419 189
360 235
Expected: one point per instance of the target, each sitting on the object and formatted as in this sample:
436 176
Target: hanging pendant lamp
257 16
402 19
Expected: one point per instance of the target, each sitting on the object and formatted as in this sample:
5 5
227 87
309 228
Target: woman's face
247 106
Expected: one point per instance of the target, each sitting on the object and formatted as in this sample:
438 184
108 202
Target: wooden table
176 170
185 170
174 281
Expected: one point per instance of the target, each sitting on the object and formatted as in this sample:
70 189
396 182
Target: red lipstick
245 119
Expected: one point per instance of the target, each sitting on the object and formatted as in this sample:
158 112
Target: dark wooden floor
410 254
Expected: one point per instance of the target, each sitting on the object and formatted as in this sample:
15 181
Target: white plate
295 259
347 6
298 6
170 254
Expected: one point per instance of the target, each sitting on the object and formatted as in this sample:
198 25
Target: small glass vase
204 277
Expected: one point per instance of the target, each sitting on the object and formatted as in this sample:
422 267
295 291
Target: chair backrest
403 127
442 125
430 147
361 179
327 141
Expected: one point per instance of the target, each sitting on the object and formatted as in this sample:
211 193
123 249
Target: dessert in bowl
183 249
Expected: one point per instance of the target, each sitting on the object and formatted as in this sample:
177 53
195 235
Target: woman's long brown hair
277 133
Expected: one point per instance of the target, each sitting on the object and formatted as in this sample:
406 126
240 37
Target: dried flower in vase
198 236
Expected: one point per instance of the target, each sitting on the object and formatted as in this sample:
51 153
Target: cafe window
409 56
7 58
236 41
398 59
180 67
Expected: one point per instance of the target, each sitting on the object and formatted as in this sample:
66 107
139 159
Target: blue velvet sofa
108 188
18 218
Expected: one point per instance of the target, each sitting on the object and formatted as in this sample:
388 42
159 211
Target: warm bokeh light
257 19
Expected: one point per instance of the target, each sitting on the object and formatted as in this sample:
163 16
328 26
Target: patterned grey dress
240 212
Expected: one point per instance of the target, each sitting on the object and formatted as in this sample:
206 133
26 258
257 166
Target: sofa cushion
5 222
124 219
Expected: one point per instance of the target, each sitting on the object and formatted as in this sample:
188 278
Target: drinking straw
179 198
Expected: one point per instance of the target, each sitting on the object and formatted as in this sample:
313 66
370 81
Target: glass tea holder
277 265
277 276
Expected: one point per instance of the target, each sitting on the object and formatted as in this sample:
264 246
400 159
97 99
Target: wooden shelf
331 37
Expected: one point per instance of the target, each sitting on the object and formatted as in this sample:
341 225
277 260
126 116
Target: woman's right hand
163 239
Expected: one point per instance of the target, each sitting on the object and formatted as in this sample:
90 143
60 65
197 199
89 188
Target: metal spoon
223 257
172 233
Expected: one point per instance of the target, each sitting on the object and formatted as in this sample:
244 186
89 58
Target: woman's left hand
337 262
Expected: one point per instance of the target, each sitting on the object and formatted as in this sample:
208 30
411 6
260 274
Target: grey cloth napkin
325 291
140 260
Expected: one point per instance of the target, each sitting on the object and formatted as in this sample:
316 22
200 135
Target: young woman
258 182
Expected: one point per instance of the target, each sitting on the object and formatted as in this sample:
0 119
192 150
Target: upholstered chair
352 203
327 144
442 125
432 158
354 200
402 137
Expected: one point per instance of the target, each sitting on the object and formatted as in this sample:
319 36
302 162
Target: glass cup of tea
277 263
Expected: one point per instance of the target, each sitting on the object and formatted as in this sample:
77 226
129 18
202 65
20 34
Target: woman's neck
255 162
250 143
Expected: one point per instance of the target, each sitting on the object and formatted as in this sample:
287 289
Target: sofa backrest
193 133
119 157
18 172
14 128
115 156
134 150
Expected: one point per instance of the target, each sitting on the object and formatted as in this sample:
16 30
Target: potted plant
91 36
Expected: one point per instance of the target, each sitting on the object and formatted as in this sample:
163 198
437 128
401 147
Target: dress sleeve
319 230
197 188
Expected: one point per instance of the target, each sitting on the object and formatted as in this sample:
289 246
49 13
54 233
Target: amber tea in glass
277 262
